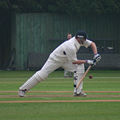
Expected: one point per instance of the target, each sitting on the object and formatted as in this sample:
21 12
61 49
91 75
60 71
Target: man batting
64 53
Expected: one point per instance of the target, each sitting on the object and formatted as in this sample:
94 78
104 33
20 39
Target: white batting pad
31 82
77 75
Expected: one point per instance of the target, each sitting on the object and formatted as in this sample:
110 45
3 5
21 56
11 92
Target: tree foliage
62 6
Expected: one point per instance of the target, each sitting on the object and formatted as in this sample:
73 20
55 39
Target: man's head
81 36
69 36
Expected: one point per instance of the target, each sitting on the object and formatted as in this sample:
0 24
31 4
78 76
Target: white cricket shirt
67 50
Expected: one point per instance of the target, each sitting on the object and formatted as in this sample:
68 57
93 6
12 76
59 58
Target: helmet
81 34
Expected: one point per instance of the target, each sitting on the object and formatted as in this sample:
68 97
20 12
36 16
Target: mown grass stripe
61 91
58 101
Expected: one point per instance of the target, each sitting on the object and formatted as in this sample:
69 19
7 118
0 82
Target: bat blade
82 78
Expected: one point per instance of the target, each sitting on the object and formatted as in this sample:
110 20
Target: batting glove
97 57
91 62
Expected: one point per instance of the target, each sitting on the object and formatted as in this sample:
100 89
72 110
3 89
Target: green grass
102 81
60 111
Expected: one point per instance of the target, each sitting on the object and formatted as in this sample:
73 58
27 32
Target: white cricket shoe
81 94
21 93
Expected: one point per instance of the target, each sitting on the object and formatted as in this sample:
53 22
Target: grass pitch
56 87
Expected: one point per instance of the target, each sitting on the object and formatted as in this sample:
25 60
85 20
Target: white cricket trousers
50 66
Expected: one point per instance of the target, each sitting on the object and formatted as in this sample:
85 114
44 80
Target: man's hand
91 62
97 57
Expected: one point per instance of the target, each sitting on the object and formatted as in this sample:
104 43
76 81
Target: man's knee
80 69
79 72
41 75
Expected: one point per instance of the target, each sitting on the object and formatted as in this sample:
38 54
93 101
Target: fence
41 33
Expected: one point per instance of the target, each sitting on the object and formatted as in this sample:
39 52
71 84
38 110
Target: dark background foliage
62 6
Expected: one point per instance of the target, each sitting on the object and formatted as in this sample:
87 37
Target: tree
62 6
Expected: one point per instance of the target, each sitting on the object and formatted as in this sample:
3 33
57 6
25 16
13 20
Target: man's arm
79 62
91 62
94 48
96 56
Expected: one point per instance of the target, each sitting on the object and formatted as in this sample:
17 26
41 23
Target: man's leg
78 73
40 75
32 81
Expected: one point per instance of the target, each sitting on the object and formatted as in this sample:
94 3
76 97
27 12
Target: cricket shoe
22 93
81 94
